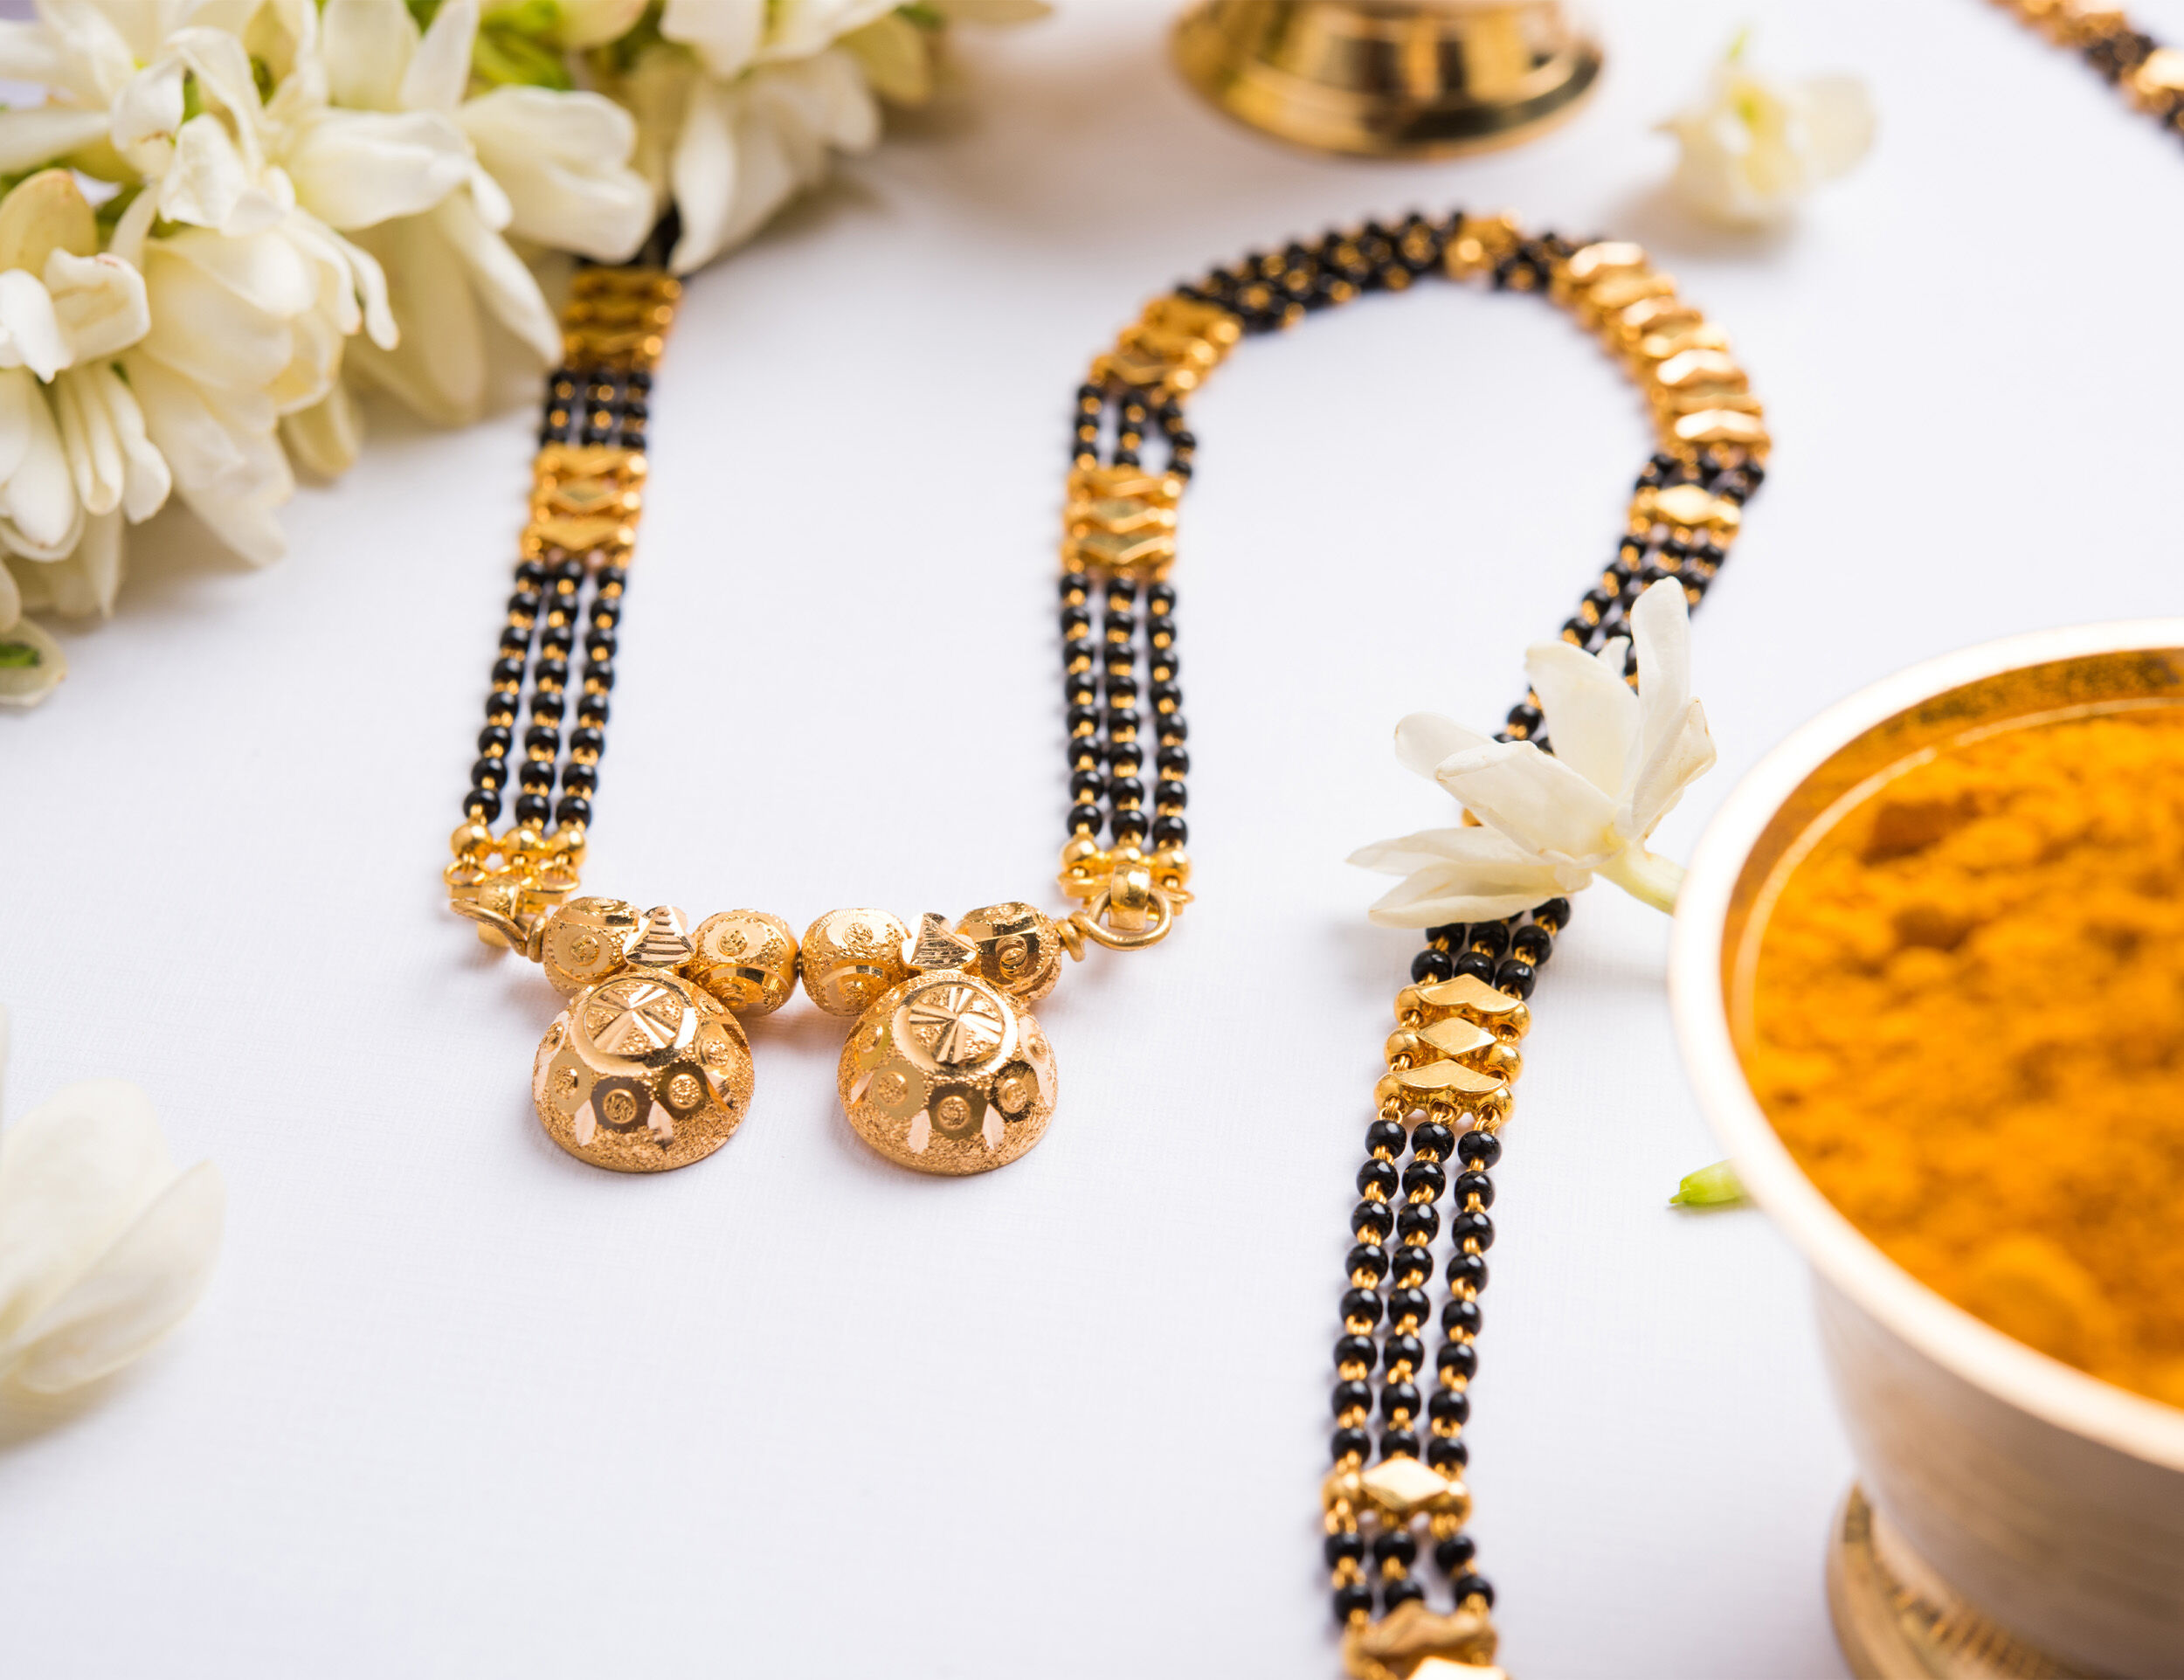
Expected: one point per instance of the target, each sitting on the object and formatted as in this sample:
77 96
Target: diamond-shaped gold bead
1402 1488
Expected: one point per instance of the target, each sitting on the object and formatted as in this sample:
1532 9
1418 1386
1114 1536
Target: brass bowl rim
2008 1370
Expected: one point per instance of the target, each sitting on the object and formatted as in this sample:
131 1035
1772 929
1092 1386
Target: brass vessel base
1389 78
1896 1620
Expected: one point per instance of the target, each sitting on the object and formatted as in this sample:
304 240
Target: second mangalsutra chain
2148 74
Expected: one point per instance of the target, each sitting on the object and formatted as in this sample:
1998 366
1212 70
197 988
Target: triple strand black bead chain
1397 1220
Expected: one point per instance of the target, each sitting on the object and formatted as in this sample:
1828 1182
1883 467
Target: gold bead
746 958
588 939
851 956
471 838
1019 949
1170 866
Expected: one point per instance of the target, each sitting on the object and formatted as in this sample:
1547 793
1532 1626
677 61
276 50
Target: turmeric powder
1967 1025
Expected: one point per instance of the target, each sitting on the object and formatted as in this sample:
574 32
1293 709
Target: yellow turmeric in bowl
1967 1025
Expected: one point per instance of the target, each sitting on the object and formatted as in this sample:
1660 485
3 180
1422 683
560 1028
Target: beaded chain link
1454 1055
2149 75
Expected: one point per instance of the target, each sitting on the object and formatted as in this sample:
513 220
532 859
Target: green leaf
923 17
1710 1186
18 656
507 57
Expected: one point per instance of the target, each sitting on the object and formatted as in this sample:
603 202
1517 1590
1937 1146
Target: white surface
457 1405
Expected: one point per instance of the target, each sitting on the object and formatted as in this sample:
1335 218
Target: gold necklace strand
2149 75
1453 1057
649 1067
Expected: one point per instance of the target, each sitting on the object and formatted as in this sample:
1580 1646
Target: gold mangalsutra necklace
945 1071
2150 75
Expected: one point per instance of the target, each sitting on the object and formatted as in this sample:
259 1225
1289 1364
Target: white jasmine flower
1754 146
104 1248
1549 824
382 145
31 665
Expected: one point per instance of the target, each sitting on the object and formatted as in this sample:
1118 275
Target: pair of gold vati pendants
648 1067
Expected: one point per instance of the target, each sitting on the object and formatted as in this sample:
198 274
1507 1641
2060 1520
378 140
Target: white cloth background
459 1406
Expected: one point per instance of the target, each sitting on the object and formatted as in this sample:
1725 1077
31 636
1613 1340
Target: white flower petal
1839 123
207 183
357 169
32 138
10 611
1591 716
221 445
99 302
439 74
702 174
323 439
40 516
367 46
583 24
438 366
1537 801
724 34
30 331
1685 754
26 685
135 1292
74 1172
82 585
1424 739
207 330
563 160
505 286
1483 877
48 213
797 29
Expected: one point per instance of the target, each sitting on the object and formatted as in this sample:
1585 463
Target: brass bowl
2047 1503
1389 78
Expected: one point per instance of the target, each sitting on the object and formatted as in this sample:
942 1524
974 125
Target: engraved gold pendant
946 1071
648 1068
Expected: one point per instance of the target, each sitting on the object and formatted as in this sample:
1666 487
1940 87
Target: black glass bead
1478 963
1413 1266
1127 826
1170 797
589 738
1424 1175
1165 665
1408 1304
573 808
1170 831
1373 1221
1361 1303
1477 1226
537 775
1468 1586
1086 785
508 670
1160 600
1347 1443
580 778
1399 1400
544 740
1160 628
500 709
531 574
1453 1556
1377 1175
516 639
1353 1601
1490 937
599 675
1461 1316
1414 1221
1524 719
1447 936
1074 584
1164 696
1430 966
532 807
1126 790
481 804
1369 1258
1446 1456
1432 1141
1403 1349
1474 1184
1449 1406
1077 622
493 739
1479 1149
1349 1544
1459 1357
592 710
1554 914
552 672
1576 631
1173 730
1517 977
1398 1443
1598 600
492 772
1531 945
1385 1137
1085 820
1466 1268
1354 1350
1080 720
1351 1395
1400 1544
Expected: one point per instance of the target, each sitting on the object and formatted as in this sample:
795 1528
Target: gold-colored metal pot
1389 78
2025 1518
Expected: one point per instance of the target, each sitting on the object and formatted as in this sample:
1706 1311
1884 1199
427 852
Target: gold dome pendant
947 1071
